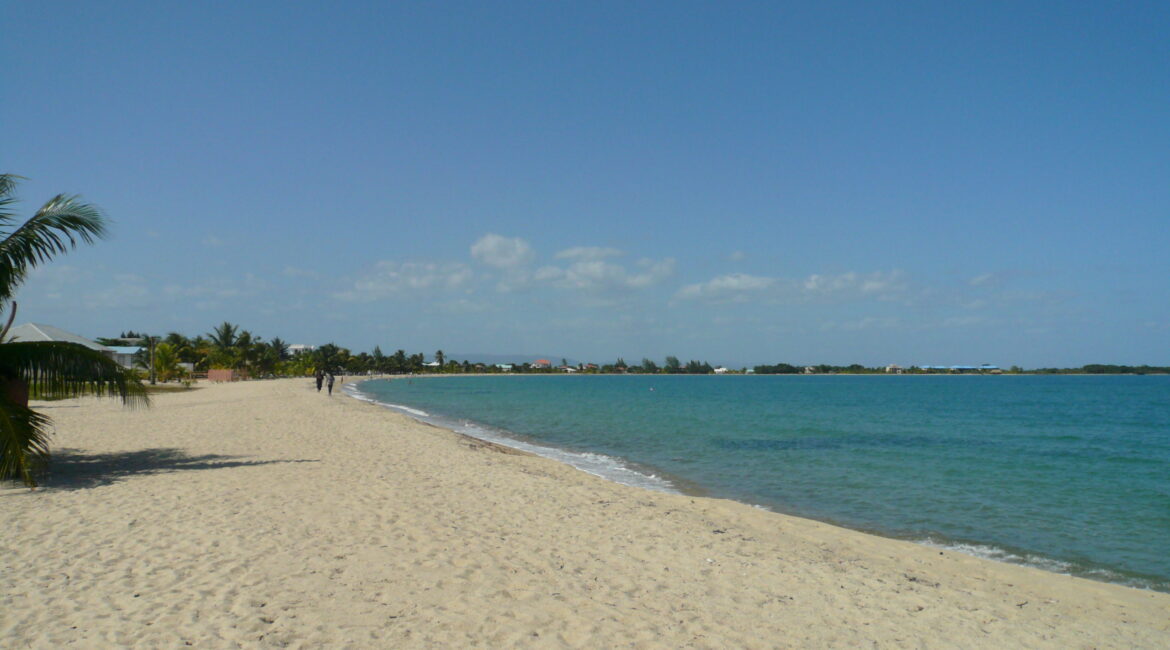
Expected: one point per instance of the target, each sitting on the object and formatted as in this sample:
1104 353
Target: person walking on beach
329 381
320 379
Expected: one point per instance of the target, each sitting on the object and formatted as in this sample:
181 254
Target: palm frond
58 227
24 442
7 189
57 369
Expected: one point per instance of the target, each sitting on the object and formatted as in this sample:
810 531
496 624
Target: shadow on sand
72 469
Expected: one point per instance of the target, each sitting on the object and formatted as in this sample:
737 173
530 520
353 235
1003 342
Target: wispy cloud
871 284
389 279
733 287
740 287
588 253
595 275
502 252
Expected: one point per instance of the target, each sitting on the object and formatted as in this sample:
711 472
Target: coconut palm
224 341
49 368
280 348
166 362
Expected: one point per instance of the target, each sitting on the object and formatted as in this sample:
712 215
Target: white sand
265 514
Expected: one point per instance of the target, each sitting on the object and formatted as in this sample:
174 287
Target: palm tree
280 348
50 368
223 341
224 336
166 362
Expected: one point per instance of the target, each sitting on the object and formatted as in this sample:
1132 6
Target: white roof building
41 332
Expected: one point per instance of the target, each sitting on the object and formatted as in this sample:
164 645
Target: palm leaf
7 188
58 369
24 442
56 228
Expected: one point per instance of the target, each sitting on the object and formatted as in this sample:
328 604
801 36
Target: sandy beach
266 514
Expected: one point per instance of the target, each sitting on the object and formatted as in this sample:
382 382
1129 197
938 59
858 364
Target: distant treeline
1104 369
788 369
858 369
230 346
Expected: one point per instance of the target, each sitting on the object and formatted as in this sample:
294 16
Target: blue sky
831 182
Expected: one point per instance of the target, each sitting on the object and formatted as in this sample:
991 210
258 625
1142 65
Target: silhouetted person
320 379
330 382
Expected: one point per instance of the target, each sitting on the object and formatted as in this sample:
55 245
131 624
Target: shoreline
264 514
1013 556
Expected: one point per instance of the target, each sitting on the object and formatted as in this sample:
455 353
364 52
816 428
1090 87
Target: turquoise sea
1068 473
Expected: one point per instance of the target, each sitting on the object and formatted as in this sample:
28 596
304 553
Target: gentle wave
356 393
601 465
1044 563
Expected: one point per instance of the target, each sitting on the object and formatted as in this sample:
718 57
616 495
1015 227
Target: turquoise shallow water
1069 473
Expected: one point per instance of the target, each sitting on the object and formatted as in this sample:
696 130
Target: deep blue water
1069 473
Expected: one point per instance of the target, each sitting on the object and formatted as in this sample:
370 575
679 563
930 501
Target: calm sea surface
1069 473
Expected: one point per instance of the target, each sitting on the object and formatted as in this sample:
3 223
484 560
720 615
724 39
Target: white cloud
737 256
588 253
876 283
549 274
654 271
390 278
502 252
592 274
739 287
735 287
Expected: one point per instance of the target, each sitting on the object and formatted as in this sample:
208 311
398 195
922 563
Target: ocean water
1068 473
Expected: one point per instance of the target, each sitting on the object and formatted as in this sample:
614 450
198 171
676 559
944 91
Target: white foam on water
1001 555
356 393
607 467
1049 564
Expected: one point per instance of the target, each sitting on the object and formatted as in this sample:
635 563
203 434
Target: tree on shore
46 368
329 358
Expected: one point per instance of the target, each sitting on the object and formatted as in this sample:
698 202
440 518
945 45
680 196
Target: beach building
300 348
985 368
721 370
894 369
41 332
124 354
542 364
